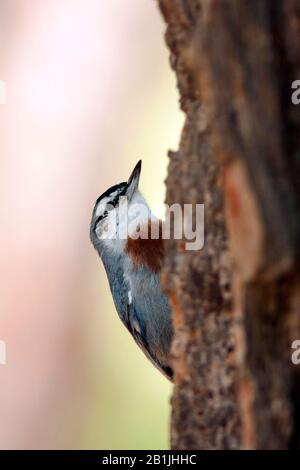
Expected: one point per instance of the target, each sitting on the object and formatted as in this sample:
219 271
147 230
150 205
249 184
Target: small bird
133 261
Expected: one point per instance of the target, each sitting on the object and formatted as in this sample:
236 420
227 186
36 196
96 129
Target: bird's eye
103 215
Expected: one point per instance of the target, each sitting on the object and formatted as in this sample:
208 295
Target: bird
128 239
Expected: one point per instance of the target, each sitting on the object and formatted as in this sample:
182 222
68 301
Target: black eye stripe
111 205
120 190
99 219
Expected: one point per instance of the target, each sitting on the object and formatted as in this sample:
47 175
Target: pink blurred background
89 92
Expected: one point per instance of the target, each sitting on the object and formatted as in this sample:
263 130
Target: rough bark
236 303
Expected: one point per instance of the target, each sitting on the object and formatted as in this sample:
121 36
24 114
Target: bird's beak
133 182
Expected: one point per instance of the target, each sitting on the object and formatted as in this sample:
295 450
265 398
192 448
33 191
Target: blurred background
89 92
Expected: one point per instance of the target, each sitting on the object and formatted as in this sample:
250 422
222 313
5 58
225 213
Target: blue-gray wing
145 312
139 332
119 288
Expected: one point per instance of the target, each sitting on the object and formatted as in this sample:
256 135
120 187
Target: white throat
129 219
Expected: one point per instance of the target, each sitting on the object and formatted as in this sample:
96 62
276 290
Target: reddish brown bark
236 303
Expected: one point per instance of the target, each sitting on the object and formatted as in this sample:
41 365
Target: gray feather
148 315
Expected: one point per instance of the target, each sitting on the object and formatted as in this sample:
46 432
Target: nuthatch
133 262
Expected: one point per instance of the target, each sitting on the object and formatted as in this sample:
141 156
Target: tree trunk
236 303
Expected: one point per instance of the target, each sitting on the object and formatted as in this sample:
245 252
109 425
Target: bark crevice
236 303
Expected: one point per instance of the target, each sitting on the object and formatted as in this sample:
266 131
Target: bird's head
115 209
